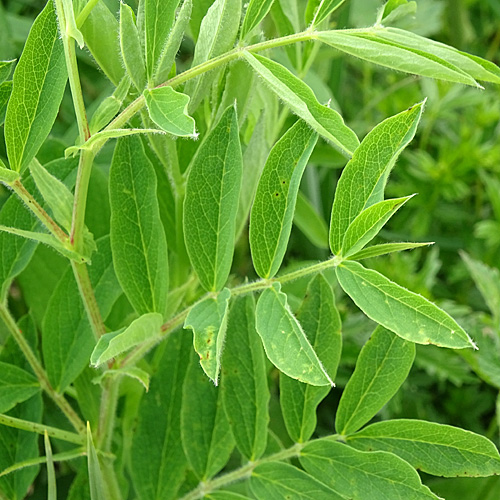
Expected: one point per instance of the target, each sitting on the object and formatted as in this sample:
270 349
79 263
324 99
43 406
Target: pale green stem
54 432
40 373
39 212
109 400
82 17
89 301
206 487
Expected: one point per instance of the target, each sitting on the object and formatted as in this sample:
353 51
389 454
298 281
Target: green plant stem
240 474
82 17
54 432
109 401
40 373
172 324
89 301
39 212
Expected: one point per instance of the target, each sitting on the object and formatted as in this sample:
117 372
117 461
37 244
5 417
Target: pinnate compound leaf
112 344
157 458
363 179
96 479
274 205
276 480
38 87
138 239
218 31
256 11
206 434
302 101
173 43
208 320
131 49
158 19
368 224
372 46
441 450
285 342
321 323
244 380
16 386
359 475
407 314
168 109
212 193
382 366
67 338
384 249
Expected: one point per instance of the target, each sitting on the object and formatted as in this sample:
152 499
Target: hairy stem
40 373
240 474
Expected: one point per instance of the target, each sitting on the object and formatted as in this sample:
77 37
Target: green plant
152 417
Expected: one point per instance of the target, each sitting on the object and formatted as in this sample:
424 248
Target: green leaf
109 107
472 66
58 197
409 315
212 193
384 249
404 51
5 93
394 10
369 223
208 320
382 366
206 435
256 11
363 179
218 31
96 479
101 32
6 69
276 481
51 472
244 380
16 386
441 450
301 100
321 323
168 109
159 16
285 342
225 495
310 222
67 338
8 176
129 371
38 87
138 239
112 344
361 475
157 458
131 49
274 205
174 40
487 280
324 9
